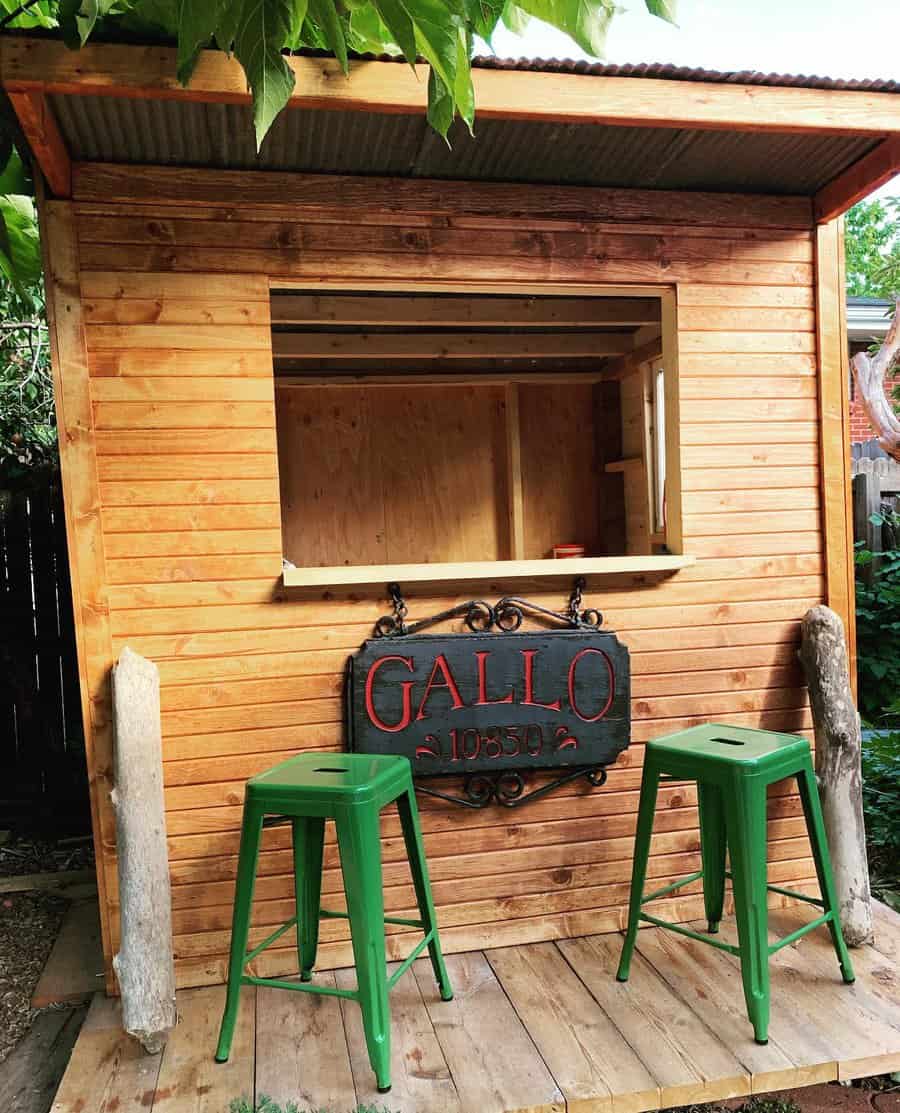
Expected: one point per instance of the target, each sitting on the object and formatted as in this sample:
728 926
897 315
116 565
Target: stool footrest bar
800 932
301 987
817 901
717 943
409 960
325 914
671 888
251 955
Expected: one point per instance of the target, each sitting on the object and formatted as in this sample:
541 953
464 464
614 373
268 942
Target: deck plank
301 1049
494 1062
542 1024
108 1071
420 1077
190 1080
709 982
30 1076
887 930
866 1040
690 1064
594 1066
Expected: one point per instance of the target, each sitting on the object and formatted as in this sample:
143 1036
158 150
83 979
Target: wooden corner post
834 429
81 495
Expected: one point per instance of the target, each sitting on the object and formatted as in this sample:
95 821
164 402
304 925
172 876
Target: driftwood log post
870 373
145 964
838 767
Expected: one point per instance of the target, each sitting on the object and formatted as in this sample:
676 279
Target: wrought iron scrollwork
507 788
505 616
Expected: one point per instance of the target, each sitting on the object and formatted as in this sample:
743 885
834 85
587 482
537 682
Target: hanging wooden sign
475 702
493 703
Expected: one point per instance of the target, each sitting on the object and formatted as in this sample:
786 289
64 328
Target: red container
567 552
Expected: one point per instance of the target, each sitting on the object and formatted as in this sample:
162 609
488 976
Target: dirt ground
29 923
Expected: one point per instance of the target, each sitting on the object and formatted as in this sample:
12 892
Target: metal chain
400 608
575 599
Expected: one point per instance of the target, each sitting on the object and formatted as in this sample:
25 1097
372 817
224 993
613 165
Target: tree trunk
870 373
838 767
144 965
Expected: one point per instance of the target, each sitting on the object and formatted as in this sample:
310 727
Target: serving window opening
425 429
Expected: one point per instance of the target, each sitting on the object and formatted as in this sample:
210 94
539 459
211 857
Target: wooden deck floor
543 1027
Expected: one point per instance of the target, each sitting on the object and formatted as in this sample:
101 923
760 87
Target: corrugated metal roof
193 133
668 72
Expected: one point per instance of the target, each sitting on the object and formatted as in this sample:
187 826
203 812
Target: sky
829 38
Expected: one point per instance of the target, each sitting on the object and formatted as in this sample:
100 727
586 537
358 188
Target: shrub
881 804
878 634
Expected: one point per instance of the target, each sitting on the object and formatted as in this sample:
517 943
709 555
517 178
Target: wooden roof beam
149 71
858 180
42 132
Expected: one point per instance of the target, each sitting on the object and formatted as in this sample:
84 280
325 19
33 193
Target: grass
266 1105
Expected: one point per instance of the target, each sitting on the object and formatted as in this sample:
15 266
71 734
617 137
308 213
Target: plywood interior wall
560 427
377 475
171 271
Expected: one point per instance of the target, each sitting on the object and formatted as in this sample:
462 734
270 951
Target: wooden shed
613 319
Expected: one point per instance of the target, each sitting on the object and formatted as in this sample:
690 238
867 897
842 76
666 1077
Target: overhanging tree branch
869 373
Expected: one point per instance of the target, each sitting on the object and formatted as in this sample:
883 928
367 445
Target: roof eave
32 67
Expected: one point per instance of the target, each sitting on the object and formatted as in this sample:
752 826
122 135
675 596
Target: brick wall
860 429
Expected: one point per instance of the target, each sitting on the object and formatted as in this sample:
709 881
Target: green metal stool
733 767
351 789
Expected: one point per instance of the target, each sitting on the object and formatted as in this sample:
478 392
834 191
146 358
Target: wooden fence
44 785
876 492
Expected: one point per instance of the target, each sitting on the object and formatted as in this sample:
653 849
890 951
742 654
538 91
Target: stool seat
329 779
714 743
733 767
351 789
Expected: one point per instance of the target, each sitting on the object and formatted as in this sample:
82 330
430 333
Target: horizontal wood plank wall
175 288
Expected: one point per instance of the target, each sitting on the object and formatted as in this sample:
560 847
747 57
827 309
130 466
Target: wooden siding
174 296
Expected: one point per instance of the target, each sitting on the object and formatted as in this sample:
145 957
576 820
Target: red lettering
529 655
612 685
483 700
406 685
440 662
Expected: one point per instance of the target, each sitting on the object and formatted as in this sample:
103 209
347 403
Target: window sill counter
373 574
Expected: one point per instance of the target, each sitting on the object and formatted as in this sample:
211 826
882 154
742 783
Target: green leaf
484 15
20 255
263 27
664 9
325 15
38 15
14 177
441 108
514 18
584 21
77 19
229 21
437 26
464 90
197 23
397 20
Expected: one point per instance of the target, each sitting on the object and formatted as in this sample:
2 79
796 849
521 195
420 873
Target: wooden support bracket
858 180
45 139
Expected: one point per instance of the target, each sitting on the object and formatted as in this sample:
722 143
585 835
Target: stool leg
812 809
746 834
251 830
309 838
415 852
359 841
646 810
712 852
